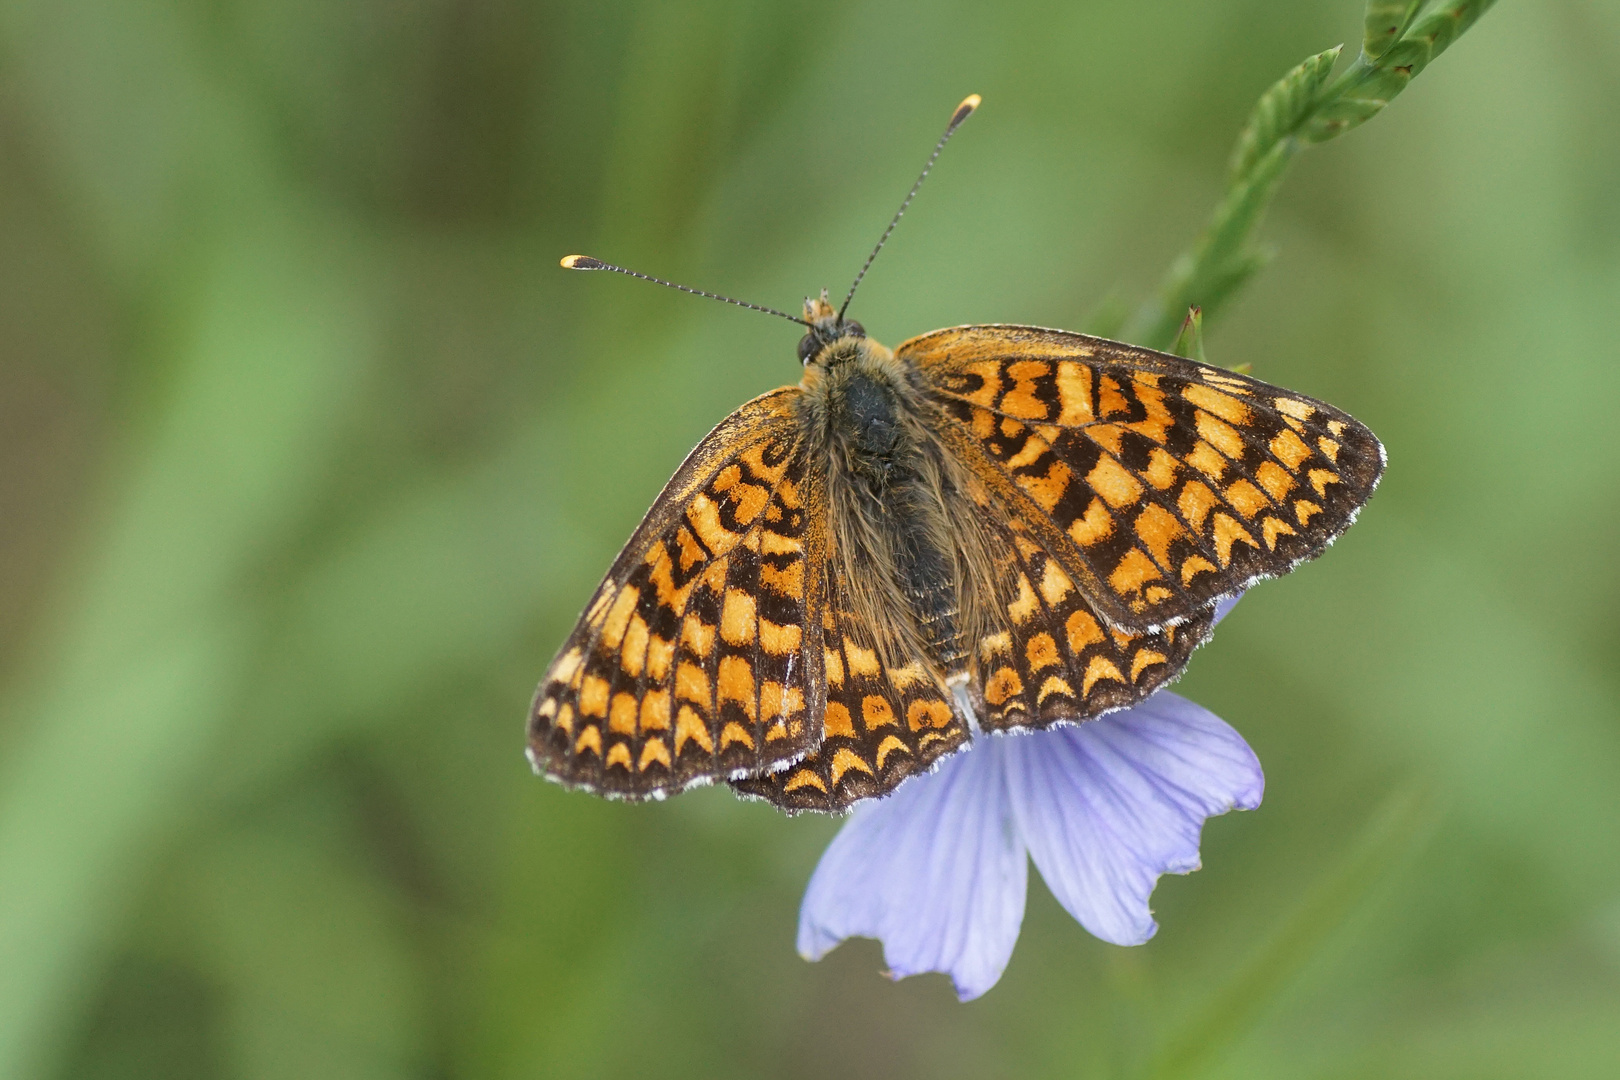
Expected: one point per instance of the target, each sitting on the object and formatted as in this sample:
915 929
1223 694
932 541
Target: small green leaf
1369 84
1190 342
1386 21
1280 110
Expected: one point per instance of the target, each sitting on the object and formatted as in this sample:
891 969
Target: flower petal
935 871
1224 606
1109 805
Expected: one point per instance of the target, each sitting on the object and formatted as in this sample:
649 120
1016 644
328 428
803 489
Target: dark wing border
585 683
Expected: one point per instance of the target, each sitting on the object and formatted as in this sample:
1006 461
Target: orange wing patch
1057 661
688 664
882 724
1158 483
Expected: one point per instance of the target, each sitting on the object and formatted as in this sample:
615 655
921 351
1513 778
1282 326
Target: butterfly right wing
1162 484
699 656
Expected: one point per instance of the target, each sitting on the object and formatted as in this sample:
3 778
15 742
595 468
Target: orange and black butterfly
987 528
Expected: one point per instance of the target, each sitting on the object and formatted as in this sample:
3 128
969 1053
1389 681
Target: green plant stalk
1301 109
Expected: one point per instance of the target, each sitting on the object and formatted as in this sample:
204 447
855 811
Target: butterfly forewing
699 656
1158 483
882 724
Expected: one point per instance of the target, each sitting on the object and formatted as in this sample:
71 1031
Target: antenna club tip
582 262
965 110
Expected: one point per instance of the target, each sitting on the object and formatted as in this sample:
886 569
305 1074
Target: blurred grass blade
78 803
1393 835
110 748
262 332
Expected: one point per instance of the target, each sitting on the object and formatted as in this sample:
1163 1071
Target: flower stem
1301 109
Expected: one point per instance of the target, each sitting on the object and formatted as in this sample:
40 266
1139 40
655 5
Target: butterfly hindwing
882 724
698 657
1053 660
1160 484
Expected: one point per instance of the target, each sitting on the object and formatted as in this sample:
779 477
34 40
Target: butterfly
985 529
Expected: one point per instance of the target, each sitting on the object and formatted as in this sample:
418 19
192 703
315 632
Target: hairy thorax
906 524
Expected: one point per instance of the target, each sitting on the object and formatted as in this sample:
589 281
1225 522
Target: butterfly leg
958 685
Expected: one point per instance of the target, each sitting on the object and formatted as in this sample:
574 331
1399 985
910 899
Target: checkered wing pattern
1157 483
1054 660
699 656
882 725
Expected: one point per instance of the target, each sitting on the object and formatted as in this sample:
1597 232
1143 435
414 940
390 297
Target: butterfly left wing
698 657
1158 483
882 724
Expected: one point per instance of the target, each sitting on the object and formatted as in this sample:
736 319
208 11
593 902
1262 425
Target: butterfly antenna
585 262
963 111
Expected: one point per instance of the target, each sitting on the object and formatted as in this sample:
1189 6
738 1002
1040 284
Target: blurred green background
311 455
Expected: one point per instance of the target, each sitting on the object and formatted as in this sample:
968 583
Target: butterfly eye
808 346
854 329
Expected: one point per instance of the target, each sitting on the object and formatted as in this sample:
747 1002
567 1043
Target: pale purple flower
937 870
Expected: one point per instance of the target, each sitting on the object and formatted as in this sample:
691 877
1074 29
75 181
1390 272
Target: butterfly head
826 328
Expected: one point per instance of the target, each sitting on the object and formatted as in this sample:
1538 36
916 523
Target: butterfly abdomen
892 530
923 564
